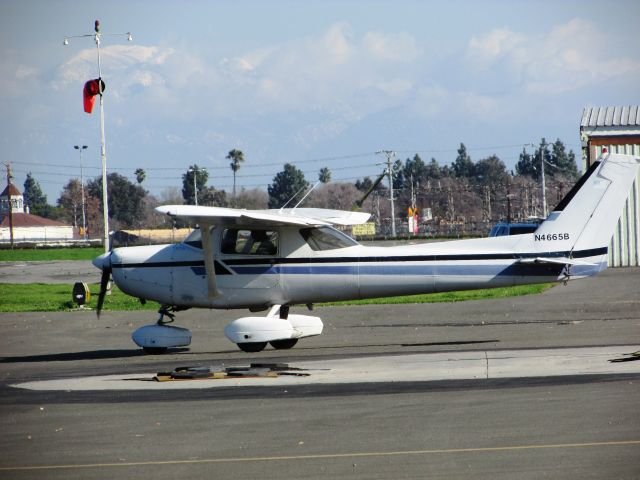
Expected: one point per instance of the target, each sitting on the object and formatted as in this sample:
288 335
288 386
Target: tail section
585 219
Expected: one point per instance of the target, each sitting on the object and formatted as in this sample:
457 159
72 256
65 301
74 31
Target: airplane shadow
437 344
87 355
422 344
108 354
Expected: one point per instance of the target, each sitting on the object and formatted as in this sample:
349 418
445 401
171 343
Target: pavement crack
486 360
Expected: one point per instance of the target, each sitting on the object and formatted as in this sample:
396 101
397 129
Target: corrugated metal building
618 130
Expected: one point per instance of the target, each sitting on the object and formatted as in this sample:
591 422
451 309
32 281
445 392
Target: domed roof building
18 225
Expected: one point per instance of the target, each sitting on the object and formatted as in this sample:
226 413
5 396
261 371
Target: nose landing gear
159 337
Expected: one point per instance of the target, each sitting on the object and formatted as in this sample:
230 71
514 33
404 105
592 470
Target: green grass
44 254
460 296
40 297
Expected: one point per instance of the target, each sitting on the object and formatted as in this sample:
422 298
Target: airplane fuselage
319 264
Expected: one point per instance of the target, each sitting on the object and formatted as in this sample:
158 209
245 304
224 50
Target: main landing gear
252 347
280 328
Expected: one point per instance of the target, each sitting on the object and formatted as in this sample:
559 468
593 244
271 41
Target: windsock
89 92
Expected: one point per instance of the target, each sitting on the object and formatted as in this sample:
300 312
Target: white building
27 227
618 130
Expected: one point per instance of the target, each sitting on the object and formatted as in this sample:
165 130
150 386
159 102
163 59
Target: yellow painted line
327 456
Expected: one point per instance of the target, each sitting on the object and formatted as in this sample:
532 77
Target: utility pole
413 194
195 185
544 189
97 36
487 203
390 155
9 178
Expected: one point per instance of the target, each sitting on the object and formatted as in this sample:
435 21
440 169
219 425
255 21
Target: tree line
464 191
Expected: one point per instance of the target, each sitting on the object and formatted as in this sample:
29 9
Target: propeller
103 262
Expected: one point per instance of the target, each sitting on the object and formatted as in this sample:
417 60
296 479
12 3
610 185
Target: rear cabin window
249 242
523 229
326 238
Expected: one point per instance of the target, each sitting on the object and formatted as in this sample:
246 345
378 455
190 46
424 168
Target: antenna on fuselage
296 194
307 194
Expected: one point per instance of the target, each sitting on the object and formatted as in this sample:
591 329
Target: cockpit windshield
326 238
194 238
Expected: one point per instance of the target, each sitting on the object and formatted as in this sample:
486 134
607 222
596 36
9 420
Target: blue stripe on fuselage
515 269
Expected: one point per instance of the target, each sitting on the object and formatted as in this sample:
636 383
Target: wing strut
207 246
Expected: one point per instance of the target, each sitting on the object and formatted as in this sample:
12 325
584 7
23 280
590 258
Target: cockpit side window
249 242
326 238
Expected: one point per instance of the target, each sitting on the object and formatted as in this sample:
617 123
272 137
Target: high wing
335 217
207 216
287 216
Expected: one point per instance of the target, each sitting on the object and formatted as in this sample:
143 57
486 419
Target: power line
275 164
295 162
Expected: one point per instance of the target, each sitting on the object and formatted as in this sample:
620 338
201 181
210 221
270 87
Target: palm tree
140 175
236 157
324 175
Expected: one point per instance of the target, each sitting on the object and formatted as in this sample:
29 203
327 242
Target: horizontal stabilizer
556 261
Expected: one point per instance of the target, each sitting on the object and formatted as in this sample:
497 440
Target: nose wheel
284 344
252 347
159 337
155 350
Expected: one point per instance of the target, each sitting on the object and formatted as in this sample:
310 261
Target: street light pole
390 155
544 188
103 149
84 218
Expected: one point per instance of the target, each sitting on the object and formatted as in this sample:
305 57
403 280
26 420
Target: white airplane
273 259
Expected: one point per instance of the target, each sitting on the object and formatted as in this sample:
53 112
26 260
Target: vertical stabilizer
585 219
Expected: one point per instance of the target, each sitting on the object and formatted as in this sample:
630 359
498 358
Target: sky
312 83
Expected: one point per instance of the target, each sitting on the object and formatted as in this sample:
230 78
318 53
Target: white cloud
318 71
16 78
335 45
322 84
570 56
174 139
308 74
393 47
23 72
115 59
574 55
237 65
146 78
435 101
485 49
395 88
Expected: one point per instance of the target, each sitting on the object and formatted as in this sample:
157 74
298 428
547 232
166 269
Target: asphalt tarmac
566 412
